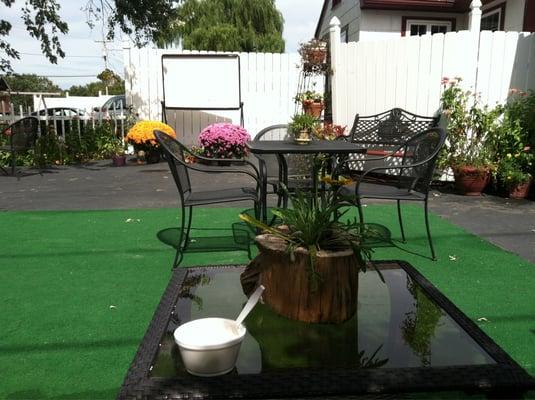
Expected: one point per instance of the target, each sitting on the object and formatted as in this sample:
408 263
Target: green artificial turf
78 289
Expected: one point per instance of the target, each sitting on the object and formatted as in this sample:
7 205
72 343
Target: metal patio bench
381 133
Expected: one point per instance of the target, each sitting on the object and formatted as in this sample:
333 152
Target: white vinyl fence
371 77
269 82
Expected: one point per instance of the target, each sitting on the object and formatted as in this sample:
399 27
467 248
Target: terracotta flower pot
471 181
313 109
519 191
316 56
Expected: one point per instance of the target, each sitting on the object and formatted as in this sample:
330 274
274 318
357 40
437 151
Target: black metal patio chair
298 166
411 178
176 155
381 133
22 136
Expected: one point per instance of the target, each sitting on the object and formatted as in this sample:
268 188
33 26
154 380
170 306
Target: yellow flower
341 181
509 155
142 132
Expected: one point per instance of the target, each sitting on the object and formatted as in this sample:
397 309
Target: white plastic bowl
209 346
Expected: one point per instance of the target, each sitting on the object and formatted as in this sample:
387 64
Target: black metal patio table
405 337
282 147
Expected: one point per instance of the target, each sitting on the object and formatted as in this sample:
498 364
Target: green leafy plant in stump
315 224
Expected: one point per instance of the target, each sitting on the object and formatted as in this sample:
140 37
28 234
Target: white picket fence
269 82
64 119
371 77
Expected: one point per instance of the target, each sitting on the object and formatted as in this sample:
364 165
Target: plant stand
290 291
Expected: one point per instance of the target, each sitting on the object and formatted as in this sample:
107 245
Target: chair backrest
23 133
174 154
297 164
272 132
421 149
390 128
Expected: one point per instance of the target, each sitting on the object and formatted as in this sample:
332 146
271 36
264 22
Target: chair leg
188 228
183 237
433 256
13 162
361 214
401 222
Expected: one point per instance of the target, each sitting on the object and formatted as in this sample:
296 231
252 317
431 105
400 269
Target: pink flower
224 140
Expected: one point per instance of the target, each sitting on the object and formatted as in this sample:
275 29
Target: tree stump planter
289 289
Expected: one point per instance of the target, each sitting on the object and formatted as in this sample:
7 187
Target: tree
227 25
143 19
28 83
107 78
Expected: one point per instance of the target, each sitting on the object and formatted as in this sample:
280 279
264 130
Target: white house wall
386 24
348 12
514 13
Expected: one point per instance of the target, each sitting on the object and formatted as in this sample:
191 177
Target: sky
84 55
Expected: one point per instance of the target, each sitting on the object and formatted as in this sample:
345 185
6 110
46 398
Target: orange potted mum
142 137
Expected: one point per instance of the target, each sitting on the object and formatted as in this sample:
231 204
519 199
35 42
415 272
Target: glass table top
397 325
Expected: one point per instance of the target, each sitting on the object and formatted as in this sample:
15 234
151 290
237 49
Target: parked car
62 118
112 107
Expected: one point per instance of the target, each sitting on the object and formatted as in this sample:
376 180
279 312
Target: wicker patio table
405 337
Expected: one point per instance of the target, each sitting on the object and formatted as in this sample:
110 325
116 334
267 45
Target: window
335 3
344 34
415 27
492 20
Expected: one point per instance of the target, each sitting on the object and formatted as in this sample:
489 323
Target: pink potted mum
224 140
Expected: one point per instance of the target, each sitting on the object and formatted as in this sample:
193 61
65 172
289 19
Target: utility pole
104 51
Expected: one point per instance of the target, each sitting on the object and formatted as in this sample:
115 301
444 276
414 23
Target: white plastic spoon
250 304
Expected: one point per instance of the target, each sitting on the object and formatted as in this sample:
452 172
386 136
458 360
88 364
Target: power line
39 54
67 76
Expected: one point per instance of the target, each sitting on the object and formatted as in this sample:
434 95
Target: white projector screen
201 81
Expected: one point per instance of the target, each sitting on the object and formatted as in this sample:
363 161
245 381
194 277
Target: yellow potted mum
145 144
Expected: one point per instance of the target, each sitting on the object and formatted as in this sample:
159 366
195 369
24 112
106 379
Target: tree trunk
289 286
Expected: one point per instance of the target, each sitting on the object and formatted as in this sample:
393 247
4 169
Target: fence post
474 19
334 44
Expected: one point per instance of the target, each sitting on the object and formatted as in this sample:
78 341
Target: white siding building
366 20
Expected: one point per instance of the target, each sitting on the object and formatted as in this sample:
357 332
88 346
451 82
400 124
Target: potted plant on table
467 151
312 102
142 137
328 131
302 126
309 264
